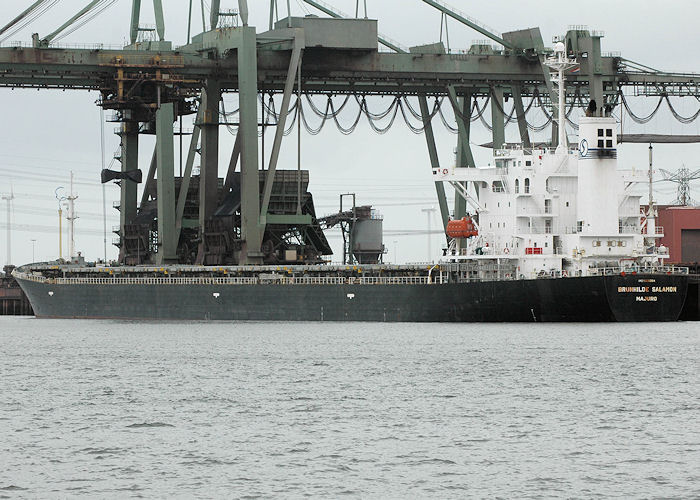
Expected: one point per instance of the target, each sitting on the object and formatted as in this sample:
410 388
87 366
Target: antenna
651 213
60 221
71 219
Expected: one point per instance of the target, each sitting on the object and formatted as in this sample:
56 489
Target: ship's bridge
512 157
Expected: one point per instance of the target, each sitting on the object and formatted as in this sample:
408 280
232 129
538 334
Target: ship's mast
71 219
9 199
651 213
559 62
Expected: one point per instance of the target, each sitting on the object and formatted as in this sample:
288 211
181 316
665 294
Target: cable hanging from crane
27 17
646 119
88 16
381 121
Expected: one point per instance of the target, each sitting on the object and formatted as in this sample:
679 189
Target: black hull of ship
651 297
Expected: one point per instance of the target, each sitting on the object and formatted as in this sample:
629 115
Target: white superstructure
559 212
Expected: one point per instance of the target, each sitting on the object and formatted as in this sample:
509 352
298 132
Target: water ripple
116 409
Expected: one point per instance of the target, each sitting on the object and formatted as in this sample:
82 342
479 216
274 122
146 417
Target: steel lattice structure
149 84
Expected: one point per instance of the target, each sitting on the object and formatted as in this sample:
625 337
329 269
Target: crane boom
47 39
442 7
21 16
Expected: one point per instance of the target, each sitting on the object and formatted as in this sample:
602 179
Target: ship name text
647 289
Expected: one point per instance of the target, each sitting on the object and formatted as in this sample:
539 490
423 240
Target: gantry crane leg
251 231
520 115
497 118
465 158
434 160
128 188
209 169
165 182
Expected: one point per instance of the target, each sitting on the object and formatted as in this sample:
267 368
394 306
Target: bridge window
527 185
517 185
608 132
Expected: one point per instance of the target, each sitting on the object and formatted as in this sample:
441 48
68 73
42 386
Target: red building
681 232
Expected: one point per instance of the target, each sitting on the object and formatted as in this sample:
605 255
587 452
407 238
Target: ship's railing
256 280
610 271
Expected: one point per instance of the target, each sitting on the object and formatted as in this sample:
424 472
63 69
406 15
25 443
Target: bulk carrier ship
556 235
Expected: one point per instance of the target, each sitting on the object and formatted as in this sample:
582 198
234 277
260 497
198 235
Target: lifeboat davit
462 228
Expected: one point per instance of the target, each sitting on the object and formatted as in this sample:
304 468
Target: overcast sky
45 134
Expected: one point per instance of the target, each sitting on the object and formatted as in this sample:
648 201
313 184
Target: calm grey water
121 409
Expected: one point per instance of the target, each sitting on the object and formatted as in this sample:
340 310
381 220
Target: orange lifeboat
462 228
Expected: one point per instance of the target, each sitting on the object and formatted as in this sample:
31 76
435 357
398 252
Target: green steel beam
135 15
323 9
282 120
233 162
434 160
498 125
243 11
160 19
465 158
21 16
460 205
462 106
165 182
214 14
337 71
81 12
186 176
595 82
209 168
273 8
129 161
128 190
150 177
520 115
291 220
454 15
552 98
251 232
